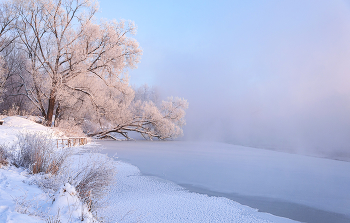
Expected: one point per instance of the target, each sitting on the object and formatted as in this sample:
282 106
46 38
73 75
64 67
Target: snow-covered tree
66 47
115 110
16 81
151 121
2 83
8 18
147 93
73 68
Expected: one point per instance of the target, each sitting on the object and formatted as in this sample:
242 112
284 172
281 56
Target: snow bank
18 199
21 200
13 125
21 123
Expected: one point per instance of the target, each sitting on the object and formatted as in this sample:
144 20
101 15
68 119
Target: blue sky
254 72
168 28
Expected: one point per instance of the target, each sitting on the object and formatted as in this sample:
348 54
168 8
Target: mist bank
277 78
294 113
322 128
266 117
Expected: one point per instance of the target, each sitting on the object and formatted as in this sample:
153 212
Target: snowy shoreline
132 198
137 197
277 207
304 188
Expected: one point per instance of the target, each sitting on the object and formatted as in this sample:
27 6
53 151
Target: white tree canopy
74 68
63 44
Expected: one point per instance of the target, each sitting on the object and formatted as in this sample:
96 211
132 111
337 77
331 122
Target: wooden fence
74 141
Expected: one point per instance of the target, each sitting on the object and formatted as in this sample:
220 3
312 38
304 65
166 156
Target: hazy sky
264 73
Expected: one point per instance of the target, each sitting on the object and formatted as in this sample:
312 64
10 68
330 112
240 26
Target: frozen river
298 187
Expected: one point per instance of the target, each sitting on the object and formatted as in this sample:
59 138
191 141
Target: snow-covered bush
3 156
92 179
12 111
67 207
64 205
63 174
37 152
15 110
91 175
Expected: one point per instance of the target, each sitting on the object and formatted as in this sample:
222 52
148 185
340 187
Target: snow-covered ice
150 199
318 187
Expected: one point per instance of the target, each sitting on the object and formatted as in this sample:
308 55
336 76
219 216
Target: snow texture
15 197
15 125
68 206
150 199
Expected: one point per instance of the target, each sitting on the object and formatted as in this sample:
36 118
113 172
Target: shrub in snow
37 152
90 174
14 110
93 178
3 156
67 207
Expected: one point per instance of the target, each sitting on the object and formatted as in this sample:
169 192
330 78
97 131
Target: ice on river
318 187
138 198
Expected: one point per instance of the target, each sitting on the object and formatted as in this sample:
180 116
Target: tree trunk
40 102
50 109
57 114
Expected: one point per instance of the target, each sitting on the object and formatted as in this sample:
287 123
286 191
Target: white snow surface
69 206
134 198
137 198
16 196
22 201
14 125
